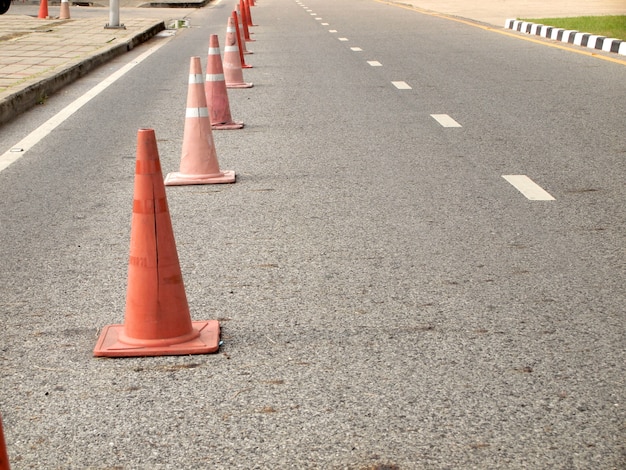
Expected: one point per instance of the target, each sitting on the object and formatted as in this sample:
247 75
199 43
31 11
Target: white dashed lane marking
374 63
445 120
528 188
402 85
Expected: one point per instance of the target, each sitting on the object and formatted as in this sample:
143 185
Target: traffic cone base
239 85
227 126
179 179
205 339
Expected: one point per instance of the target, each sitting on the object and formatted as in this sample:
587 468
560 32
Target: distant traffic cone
4 458
240 43
244 22
198 164
215 90
157 320
232 59
246 5
65 10
43 9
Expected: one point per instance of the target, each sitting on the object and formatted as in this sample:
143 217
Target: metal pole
114 16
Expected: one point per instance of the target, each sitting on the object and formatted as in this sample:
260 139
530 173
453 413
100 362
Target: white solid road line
18 150
445 120
402 85
528 188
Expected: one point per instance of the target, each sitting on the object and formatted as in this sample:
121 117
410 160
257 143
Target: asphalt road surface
388 299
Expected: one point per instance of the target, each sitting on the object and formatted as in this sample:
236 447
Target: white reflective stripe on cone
215 77
196 112
195 78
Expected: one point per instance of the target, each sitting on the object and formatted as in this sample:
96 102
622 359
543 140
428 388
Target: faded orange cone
65 10
240 43
233 73
246 5
4 458
244 22
198 163
43 9
215 90
157 320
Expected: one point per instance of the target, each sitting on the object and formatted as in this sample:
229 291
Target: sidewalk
38 57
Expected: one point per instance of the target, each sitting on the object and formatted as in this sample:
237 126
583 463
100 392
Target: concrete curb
568 36
24 99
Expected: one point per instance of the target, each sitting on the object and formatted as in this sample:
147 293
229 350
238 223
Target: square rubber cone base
109 345
227 126
181 179
239 85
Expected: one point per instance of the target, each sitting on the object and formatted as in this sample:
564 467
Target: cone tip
195 66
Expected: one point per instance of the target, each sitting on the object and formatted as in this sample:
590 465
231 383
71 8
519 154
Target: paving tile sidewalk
39 56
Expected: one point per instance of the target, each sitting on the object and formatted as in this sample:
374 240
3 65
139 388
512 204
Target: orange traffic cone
4 458
215 90
242 44
157 320
198 164
246 5
65 10
43 9
244 22
232 60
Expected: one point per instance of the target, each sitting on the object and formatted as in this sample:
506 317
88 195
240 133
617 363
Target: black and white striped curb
591 41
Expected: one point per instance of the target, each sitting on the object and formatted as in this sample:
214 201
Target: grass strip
608 26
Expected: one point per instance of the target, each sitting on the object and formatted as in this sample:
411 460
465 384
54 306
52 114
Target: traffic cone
65 10
43 10
246 5
4 458
242 44
157 320
215 90
232 60
244 22
198 164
